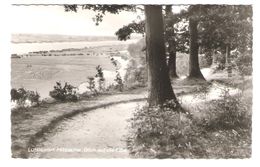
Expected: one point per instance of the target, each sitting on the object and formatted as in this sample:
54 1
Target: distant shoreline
25 48
52 38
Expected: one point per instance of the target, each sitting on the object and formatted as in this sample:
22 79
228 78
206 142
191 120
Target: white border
5 143
134 1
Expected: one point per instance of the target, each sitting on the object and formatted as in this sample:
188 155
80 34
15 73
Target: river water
40 73
21 48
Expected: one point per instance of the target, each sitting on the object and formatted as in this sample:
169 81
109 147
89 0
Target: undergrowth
222 131
64 93
22 95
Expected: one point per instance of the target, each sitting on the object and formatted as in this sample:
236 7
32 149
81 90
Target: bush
65 93
219 61
21 95
243 63
33 96
161 132
119 82
91 85
230 112
136 72
101 79
205 60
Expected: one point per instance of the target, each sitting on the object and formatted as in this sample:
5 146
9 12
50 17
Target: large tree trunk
169 31
194 68
159 84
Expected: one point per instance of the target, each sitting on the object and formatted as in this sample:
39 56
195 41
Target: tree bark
169 31
159 85
172 64
194 68
228 61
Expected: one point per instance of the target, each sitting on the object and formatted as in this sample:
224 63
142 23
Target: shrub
161 132
219 61
33 96
65 93
243 63
21 95
136 72
91 85
101 79
119 82
205 60
230 112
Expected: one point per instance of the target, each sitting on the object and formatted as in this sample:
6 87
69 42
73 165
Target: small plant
243 63
119 86
219 60
65 93
33 96
119 81
91 85
101 79
21 95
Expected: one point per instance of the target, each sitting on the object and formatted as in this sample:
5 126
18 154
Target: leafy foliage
21 95
64 93
91 85
119 81
161 132
136 72
243 63
101 78
125 32
100 9
224 124
230 112
219 61
226 24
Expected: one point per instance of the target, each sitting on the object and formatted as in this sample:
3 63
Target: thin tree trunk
194 68
169 30
228 61
159 86
172 65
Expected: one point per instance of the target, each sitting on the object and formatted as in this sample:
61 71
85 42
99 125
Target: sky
53 19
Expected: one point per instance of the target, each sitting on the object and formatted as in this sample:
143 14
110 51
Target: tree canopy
101 9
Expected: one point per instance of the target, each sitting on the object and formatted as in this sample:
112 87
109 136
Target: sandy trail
99 133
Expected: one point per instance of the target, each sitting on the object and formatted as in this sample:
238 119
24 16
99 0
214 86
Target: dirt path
99 133
28 125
